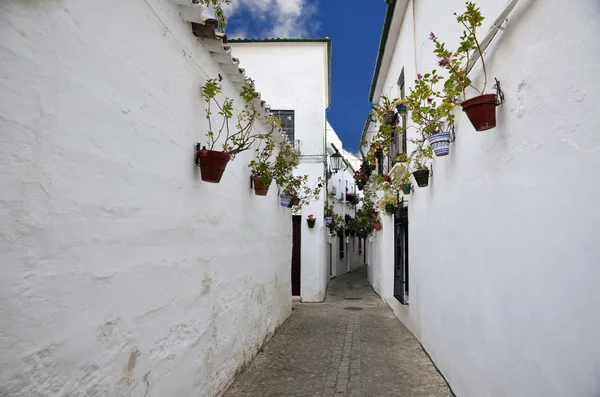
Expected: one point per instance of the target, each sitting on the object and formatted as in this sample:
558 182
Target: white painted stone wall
122 273
504 241
293 76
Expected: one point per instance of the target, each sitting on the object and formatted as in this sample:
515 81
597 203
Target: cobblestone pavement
350 345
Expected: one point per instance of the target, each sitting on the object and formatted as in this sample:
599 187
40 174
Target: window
288 121
342 245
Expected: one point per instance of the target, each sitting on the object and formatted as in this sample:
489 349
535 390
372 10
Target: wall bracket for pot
251 182
499 93
197 156
452 134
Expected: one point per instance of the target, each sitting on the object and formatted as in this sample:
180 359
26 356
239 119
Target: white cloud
279 18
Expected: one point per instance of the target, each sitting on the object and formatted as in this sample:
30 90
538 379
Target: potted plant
328 213
432 116
386 109
421 173
389 201
481 109
263 170
405 182
212 162
352 198
377 225
311 221
300 191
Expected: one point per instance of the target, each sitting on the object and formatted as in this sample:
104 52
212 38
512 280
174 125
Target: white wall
503 243
122 273
293 76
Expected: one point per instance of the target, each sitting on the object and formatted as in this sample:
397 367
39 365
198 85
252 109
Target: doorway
296 253
401 278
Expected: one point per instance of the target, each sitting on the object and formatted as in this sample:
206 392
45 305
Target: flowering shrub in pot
311 221
432 116
480 109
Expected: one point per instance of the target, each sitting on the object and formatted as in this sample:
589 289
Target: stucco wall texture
504 241
121 272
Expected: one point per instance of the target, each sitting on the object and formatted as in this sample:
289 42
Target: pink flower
420 77
431 36
429 101
443 62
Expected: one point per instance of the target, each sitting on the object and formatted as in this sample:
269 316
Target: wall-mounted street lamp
336 161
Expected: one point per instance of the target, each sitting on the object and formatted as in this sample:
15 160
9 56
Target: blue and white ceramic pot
440 143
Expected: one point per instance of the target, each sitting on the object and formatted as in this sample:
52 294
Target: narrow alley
350 345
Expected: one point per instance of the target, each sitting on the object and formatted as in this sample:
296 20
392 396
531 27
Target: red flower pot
296 201
481 111
212 164
259 188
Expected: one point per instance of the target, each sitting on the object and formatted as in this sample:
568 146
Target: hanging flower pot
440 143
386 178
378 226
406 188
296 201
422 177
401 109
285 200
481 111
390 209
388 117
340 232
311 221
328 220
259 188
212 164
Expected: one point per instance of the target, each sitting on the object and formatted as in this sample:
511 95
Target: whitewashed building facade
295 75
122 273
498 269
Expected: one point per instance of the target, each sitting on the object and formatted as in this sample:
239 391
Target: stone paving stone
325 350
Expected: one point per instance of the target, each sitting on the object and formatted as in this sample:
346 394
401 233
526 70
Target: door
401 255
296 254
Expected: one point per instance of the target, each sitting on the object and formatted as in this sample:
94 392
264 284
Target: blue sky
354 27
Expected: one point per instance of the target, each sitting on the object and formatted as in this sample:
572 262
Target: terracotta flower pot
422 177
259 188
378 226
212 164
481 111
386 178
296 201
